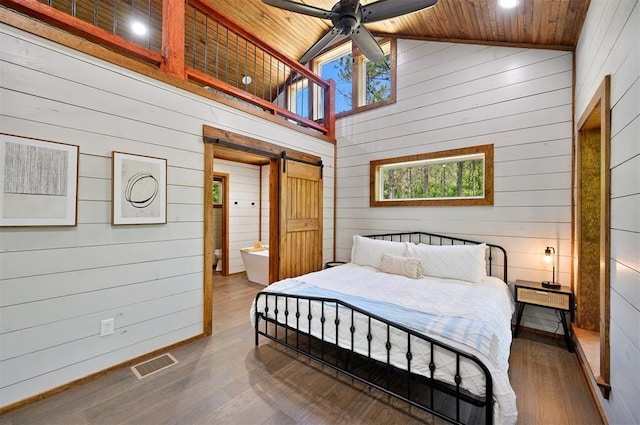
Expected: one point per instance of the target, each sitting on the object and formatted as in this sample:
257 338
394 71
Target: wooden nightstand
535 294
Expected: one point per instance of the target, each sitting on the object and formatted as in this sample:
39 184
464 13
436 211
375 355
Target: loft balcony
194 41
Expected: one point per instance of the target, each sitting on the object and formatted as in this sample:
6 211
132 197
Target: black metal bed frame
446 400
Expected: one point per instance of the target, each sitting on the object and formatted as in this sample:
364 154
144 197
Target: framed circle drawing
139 189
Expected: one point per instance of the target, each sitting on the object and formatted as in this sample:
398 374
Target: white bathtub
256 263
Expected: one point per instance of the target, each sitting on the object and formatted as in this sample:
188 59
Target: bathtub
256 263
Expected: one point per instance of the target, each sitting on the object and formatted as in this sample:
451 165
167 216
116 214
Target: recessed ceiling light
246 79
138 28
508 4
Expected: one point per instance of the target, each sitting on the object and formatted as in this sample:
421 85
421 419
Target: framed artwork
139 189
38 182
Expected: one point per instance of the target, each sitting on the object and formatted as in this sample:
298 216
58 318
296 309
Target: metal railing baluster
227 56
217 46
255 70
206 44
195 37
115 16
149 24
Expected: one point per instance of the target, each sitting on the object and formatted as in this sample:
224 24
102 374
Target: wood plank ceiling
541 23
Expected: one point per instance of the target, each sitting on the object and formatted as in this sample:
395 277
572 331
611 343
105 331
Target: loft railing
202 45
224 56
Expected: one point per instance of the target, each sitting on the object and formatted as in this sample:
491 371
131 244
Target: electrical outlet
106 327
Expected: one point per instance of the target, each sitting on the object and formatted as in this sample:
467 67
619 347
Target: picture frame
38 182
139 189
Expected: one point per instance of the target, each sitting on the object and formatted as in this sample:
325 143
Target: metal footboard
308 326
311 326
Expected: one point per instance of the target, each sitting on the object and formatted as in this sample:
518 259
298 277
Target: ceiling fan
348 17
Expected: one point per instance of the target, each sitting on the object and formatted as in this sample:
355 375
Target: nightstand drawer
547 299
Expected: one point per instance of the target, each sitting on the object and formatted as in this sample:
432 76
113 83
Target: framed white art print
139 189
38 182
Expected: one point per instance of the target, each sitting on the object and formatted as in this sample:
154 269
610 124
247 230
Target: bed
423 317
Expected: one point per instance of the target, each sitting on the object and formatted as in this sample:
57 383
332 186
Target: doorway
593 236
220 223
295 230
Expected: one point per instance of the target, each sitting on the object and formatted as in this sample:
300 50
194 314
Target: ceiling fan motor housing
347 17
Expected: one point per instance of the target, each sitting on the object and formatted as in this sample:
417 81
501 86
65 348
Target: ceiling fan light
507 4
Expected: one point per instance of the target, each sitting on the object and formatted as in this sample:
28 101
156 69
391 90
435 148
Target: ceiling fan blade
387 9
320 44
293 6
367 44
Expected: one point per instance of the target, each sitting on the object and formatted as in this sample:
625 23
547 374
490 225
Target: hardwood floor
224 379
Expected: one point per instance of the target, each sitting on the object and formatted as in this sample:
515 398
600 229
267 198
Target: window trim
374 167
358 61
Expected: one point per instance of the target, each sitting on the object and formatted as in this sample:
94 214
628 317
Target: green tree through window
464 178
217 193
358 81
455 177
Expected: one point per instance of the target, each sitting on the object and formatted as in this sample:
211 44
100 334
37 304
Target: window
299 97
336 65
217 192
360 84
375 81
453 177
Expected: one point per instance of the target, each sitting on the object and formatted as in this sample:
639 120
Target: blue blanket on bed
473 333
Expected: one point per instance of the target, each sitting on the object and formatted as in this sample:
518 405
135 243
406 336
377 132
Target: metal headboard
436 239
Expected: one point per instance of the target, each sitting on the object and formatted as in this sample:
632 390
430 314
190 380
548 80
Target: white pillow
369 252
461 262
404 266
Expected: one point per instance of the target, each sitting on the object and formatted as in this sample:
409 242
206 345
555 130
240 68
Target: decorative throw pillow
461 262
405 266
369 252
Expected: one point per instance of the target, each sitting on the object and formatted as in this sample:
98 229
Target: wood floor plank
225 379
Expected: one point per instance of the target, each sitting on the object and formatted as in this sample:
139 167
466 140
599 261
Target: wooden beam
211 134
330 109
207 284
173 37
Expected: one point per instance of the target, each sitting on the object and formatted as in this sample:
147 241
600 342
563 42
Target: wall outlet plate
106 327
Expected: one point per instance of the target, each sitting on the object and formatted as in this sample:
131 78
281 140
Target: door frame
239 143
594 126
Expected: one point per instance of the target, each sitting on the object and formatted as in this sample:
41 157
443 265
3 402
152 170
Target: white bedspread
475 318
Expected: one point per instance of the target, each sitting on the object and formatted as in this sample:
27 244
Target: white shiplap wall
56 284
457 95
610 45
264 231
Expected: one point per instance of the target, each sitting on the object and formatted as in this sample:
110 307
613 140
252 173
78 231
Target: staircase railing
193 40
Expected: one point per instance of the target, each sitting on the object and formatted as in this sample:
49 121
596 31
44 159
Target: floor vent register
149 367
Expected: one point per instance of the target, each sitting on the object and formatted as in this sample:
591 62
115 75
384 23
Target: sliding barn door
300 218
